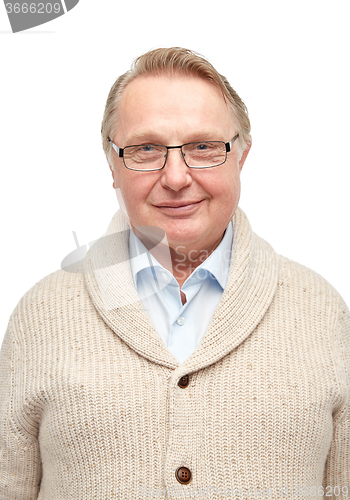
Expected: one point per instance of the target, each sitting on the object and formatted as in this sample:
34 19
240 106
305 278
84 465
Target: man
183 357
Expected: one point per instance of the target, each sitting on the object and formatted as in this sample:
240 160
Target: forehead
172 105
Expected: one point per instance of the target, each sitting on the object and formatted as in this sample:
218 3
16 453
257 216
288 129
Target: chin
177 238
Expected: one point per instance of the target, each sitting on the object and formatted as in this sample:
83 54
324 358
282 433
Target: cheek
224 188
135 191
229 199
228 196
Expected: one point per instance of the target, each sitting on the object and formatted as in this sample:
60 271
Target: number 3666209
33 8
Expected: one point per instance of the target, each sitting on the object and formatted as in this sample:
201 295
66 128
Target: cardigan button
183 475
184 381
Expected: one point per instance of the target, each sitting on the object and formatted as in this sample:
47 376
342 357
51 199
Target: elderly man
182 357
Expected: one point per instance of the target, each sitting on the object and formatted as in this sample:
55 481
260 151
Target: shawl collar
251 286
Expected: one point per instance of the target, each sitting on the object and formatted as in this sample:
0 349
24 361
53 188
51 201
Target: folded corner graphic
24 15
70 4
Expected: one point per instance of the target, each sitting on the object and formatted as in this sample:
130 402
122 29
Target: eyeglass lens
196 154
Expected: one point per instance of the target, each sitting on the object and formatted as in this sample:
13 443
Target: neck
180 264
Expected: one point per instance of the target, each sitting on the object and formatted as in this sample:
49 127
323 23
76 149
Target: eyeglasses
150 157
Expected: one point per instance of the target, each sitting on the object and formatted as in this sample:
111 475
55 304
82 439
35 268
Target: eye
144 153
147 148
202 147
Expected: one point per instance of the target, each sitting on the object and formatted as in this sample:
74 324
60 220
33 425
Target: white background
289 61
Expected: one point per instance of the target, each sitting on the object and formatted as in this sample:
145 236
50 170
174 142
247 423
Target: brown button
183 475
184 381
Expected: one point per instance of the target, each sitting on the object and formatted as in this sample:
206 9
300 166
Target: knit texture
90 406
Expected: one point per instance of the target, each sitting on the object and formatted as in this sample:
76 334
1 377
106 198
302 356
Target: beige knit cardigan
90 406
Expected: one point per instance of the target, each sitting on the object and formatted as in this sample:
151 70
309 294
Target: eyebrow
152 137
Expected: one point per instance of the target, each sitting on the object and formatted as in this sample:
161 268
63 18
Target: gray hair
174 60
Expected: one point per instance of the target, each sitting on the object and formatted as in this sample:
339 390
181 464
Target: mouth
179 207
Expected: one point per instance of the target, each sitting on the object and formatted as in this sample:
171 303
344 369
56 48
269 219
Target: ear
113 175
244 155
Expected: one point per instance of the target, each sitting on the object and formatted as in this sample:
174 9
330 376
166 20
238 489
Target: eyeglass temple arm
119 151
230 144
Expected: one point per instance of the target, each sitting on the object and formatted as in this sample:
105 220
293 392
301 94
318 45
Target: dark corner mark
24 15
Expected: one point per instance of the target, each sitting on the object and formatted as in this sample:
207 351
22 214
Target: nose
176 174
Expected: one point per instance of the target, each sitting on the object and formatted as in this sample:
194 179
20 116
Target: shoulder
53 296
311 293
304 279
298 287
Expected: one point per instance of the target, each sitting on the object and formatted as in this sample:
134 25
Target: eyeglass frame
120 153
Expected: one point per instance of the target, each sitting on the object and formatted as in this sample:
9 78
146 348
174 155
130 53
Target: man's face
174 110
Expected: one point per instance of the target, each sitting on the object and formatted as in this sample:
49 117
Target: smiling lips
178 206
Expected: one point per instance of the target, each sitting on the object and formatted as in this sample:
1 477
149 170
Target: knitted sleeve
20 465
337 470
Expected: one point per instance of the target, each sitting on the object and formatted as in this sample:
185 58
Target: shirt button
184 381
165 276
180 321
183 475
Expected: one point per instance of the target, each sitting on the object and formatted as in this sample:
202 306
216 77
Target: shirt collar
217 264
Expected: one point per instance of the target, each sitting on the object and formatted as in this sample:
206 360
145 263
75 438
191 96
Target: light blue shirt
181 327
